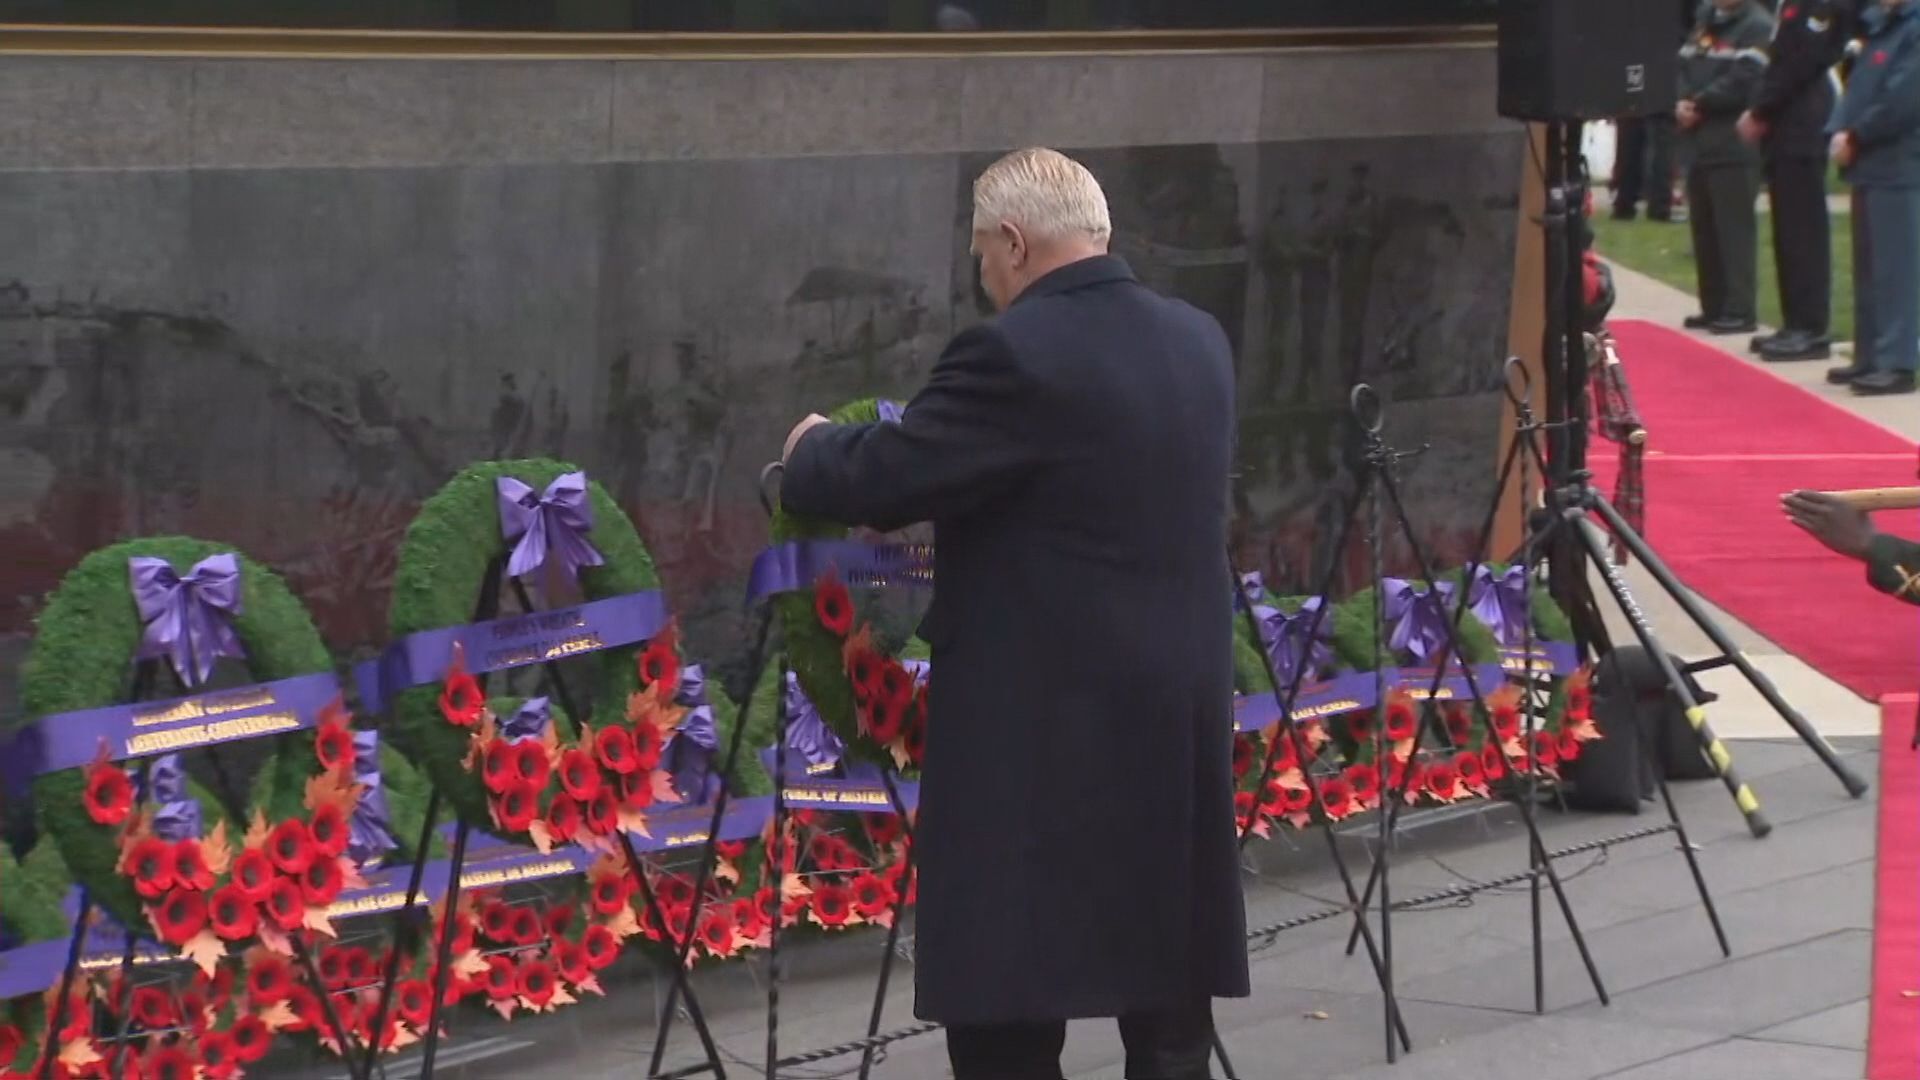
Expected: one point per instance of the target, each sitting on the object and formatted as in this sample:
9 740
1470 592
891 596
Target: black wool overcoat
1076 837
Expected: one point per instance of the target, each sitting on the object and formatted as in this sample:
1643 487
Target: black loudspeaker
1573 60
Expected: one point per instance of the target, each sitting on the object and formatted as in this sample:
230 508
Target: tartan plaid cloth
1620 424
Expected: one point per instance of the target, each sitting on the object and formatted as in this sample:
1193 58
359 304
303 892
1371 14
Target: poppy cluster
890 700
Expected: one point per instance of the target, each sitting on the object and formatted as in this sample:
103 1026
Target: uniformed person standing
1788 120
1876 140
1721 66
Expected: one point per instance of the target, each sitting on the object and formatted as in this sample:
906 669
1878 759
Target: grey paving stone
1751 993
1750 1060
1843 1028
1551 1048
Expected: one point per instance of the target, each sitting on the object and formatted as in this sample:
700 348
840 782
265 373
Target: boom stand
1567 535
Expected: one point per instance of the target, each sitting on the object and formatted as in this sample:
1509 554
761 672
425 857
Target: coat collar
1097 270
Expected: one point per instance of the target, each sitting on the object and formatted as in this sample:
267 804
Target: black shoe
1665 217
1624 213
1698 322
1723 327
1844 376
1884 382
1796 345
1760 342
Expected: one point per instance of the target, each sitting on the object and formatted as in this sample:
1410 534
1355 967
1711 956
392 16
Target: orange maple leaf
542 836
77 1054
471 964
214 849
623 923
318 922
605 867
350 876
504 1007
634 821
279 1016
590 985
275 939
257 832
860 641
793 887
205 949
332 789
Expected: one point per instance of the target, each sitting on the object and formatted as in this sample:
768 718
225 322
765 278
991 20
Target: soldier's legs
1733 189
1866 322
1659 171
1802 245
1707 270
1895 277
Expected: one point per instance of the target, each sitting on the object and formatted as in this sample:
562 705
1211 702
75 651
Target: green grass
1665 252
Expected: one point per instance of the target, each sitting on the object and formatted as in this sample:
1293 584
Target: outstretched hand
1833 521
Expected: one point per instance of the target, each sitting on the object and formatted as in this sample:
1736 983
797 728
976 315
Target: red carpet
1893 1033
1725 440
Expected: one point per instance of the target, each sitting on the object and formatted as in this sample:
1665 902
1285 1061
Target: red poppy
151 865
413 999
251 1039
915 743
193 1006
579 774
763 902
1459 725
286 905
497 765
269 980
233 915
833 606
502 981
636 790
563 817
863 670
1546 748
603 815
1336 796
677 916
730 849
614 746
1296 800
1273 798
610 895
1579 697
461 701
253 873
527 927
180 916
496 921
217 1058
895 684
648 746
320 885
518 806
1243 808
152 1009
886 721
1360 725
716 931
109 795
1493 763
1442 780
306 1009
536 982
1365 780
1566 746
1506 719
832 904
361 968
333 968
290 846
1286 755
1402 720
872 895
660 665
333 744
747 916
571 959
328 828
602 948
1242 756
559 919
531 763
171 1063
883 829
1468 765
11 1039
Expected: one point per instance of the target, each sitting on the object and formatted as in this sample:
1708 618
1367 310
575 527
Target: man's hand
1841 149
1687 115
1834 522
1751 127
799 429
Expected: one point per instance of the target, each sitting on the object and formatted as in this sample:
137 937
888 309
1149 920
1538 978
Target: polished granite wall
280 301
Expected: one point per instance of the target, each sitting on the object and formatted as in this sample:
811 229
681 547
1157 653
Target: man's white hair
1044 192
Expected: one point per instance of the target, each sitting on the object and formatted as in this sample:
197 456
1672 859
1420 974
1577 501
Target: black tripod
1563 529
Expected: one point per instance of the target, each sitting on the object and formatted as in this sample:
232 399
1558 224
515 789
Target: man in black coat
1788 120
1076 838
1720 67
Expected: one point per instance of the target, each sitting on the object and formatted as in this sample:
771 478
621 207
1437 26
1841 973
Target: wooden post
1526 329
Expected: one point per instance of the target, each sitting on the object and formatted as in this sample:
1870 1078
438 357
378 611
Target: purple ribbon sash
691 747
795 565
1549 658
1284 637
1454 686
1346 692
529 721
807 733
859 790
516 641
178 817
188 620
370 836
71 740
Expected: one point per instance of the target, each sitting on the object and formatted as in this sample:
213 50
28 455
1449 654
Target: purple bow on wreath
369 837
1284 637
890 411
690 750
1500 601
1253 589
529 721
1416 620
178 817
188 619
806 731
553 524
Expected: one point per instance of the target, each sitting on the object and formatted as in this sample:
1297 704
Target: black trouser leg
1866 320
1893 277
1629 164
1802 244
1007 1051
1659 168
1707 269
1172 1045
1735 232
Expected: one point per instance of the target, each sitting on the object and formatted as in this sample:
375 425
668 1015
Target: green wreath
859 687
80 659
1280 794
450 548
